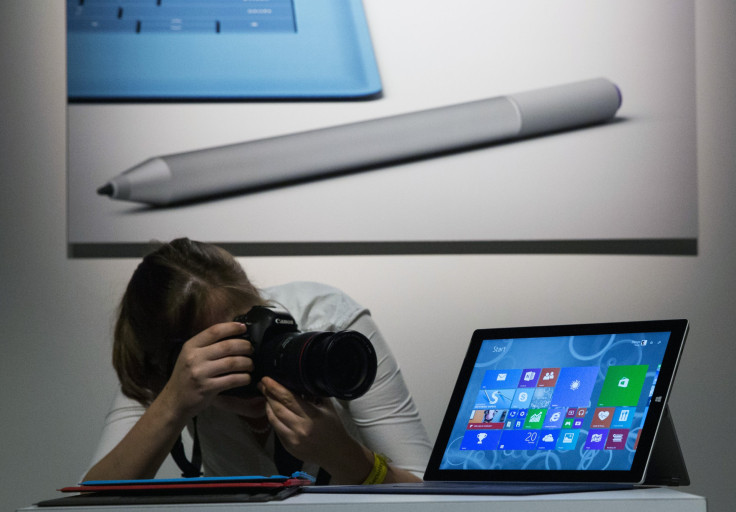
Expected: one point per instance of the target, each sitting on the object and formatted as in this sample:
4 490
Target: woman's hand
211 362
311 430
205 367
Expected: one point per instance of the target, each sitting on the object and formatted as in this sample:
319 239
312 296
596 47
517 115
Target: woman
183 296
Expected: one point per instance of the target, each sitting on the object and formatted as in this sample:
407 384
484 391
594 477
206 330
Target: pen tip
106 190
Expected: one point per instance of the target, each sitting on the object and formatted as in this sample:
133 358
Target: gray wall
55 312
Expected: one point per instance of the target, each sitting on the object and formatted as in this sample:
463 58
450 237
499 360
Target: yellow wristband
379 471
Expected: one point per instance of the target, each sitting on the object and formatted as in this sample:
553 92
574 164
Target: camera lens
341 364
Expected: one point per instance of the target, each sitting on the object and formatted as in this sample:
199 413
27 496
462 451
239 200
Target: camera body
328 364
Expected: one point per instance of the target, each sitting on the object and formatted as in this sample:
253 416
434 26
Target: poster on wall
279 127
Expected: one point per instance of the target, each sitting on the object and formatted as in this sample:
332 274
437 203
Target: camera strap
286 463
193 468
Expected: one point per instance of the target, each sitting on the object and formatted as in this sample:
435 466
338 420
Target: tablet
566 403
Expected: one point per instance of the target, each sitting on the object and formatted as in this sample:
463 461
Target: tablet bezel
678 331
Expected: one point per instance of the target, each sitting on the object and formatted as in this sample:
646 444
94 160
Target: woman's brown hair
177 291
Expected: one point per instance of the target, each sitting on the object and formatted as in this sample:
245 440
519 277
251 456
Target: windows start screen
550 409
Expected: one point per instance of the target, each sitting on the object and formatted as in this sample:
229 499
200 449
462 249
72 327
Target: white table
648 500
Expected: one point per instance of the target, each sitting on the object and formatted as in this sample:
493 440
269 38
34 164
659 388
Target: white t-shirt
385 419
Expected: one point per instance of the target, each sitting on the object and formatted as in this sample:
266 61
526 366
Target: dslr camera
320 364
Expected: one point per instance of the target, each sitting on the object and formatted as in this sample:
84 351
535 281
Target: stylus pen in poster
223 170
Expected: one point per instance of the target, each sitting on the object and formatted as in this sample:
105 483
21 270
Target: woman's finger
217 332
